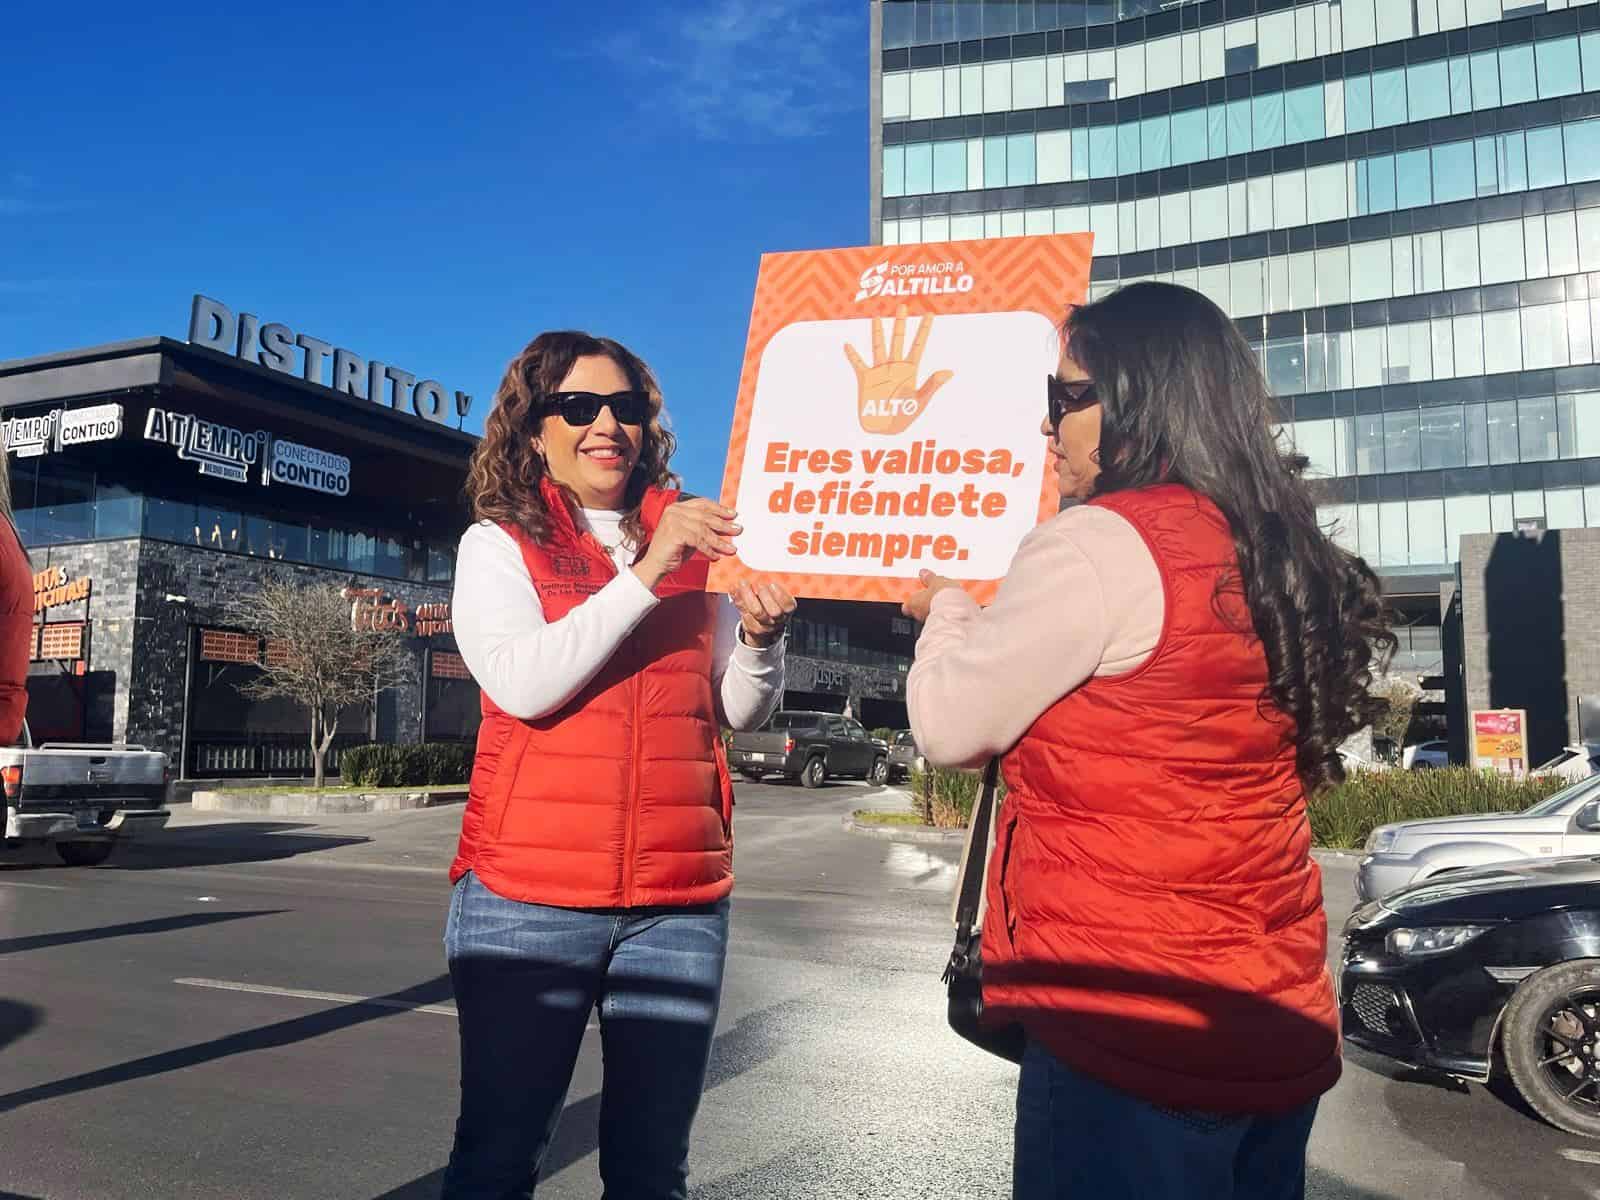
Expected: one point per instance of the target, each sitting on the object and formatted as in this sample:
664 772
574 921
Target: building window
1464 515
1286 365
1425 533
1443 438
1485 80
949 166
1517 81
1538 435
1019 160
1502 417
1502 342
1557 65
1358 104
1546 165
1428 85
919 169
1388 97
1563 508
1454 172
1303 115
894 170
1477 435
1400 451
1369 443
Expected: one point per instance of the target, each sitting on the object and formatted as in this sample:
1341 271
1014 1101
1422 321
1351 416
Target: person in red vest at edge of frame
596 855
16 618
1168 670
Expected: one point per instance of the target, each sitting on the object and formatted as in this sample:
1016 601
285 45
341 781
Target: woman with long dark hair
1168 669
596 854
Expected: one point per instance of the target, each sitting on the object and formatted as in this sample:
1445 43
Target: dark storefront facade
155 483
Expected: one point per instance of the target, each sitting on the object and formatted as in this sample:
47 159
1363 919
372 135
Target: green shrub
884 734
1343 816
951 795
383 764
446 762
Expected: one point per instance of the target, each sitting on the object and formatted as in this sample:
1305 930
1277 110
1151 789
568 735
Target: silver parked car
1561 826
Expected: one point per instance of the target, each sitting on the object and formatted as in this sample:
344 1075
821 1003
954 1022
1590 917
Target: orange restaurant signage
373 608
52 586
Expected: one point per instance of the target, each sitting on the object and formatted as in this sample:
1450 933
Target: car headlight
1380 840
1431 939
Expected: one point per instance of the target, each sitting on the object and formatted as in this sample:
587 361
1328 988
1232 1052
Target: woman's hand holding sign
918 604
686 527
705 527
764 610
889 396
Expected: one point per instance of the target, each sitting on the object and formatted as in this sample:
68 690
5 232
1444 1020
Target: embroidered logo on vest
570 566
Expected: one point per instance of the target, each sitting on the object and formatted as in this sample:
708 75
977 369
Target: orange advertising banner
888 413
1500 740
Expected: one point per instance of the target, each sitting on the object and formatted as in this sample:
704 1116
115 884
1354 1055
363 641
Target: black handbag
963 974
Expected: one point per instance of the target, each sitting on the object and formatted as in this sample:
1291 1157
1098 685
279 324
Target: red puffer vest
621 798
1154 915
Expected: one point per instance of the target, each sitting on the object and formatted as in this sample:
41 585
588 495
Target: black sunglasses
582 408
1062 398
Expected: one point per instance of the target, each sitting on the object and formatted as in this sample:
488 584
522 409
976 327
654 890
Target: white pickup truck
82 798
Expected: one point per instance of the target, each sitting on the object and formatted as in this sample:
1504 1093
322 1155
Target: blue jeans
1080 1138
526 978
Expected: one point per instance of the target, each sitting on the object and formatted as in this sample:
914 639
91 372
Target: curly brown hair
504 482
1183 401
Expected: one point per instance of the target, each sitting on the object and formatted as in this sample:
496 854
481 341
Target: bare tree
320 656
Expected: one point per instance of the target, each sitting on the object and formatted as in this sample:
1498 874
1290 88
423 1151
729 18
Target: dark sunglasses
583 408
1062 398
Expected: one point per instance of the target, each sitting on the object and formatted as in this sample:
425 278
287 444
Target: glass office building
1398 201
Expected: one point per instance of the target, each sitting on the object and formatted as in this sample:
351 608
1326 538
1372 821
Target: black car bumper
1378 1016
1438 1014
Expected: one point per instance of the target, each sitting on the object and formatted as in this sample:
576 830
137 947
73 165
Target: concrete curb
310 804
904 833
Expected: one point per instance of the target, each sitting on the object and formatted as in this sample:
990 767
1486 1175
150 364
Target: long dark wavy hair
1183 401
505 478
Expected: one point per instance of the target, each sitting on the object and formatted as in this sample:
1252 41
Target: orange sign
888 413
53 586
1500 740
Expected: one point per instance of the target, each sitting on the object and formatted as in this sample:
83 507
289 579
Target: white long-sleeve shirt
531 667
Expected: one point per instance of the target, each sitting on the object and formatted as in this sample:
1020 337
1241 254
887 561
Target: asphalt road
259 1008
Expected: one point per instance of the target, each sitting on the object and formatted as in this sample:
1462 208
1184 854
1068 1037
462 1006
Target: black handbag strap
971 891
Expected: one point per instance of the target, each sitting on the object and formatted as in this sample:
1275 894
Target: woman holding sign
1168 669
596 849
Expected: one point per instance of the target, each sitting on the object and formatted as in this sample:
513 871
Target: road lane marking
43 887
262 989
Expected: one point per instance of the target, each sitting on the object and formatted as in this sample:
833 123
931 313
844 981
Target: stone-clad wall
143 636
113 568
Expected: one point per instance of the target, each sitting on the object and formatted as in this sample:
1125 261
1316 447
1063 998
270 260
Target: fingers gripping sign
764 610
687 528
889 398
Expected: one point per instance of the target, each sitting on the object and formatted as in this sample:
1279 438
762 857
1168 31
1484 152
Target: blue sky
431 188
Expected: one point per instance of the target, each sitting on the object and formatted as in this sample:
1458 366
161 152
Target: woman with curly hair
1169 670
596 854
